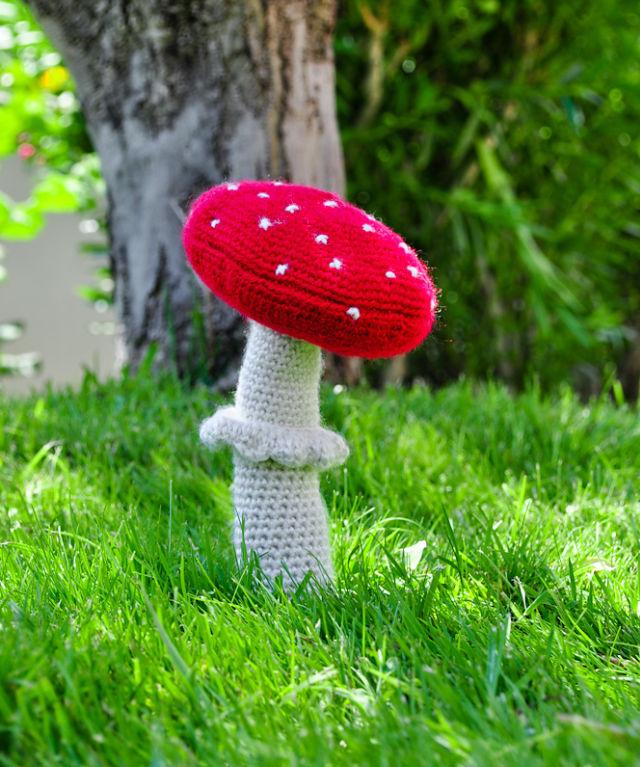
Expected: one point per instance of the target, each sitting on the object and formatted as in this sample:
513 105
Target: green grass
126 637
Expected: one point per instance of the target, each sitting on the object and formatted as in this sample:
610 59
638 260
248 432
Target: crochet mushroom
311 272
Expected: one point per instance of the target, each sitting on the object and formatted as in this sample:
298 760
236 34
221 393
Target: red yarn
307 264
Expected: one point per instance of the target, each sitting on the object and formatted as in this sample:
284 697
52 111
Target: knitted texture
277 412
261 441
279 445
309 265
281 516
279 380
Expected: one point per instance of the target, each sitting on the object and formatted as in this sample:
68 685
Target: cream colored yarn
279 446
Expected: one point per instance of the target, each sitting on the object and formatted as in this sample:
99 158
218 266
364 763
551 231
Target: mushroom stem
280 514
279 379
279 446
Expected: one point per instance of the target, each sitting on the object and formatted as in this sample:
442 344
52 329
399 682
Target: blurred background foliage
499 137
41 123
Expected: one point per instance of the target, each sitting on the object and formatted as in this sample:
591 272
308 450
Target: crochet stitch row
281 516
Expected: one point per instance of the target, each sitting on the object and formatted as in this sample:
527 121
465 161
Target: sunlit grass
127 638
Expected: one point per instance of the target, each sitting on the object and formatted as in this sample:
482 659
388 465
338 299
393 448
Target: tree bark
179 95
629 368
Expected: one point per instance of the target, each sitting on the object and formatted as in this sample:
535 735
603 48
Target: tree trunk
179 95
629 368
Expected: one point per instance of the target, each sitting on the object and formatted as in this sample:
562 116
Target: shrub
501 139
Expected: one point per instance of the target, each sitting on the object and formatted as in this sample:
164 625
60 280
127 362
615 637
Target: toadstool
310 271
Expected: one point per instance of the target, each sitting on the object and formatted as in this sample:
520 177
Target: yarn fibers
311 271
310 265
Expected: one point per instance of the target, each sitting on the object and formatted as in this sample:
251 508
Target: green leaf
8 11
10 126
23 222
92 294
25 364
58 193
10 331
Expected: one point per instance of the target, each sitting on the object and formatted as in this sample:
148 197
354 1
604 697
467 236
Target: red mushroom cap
307 264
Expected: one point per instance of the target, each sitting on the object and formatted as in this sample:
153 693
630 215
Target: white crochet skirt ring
279 447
